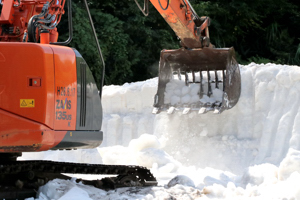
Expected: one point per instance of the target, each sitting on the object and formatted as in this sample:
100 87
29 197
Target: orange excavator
49 99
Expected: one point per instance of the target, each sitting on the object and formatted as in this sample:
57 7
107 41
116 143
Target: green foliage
267 29
296 58
130 42
257 59
260 31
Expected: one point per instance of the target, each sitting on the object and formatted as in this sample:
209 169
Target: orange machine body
43 103
14 18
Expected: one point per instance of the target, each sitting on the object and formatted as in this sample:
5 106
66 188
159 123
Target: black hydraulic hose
33 21
165 7
193 11
46 21
98 46
32 29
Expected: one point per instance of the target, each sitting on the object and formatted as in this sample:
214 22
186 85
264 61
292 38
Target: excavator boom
183 20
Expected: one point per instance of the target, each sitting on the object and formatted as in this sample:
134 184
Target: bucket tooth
217 108
216 111
209 107
186 111
209 92
171 110
155 110
205 108
202 110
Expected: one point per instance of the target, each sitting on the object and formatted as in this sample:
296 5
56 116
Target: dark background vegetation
261 31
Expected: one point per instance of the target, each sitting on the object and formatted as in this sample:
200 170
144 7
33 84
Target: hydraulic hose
33 21
166 6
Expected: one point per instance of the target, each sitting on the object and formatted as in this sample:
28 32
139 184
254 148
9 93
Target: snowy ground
249 152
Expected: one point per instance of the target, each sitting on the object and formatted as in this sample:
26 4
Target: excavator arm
191 29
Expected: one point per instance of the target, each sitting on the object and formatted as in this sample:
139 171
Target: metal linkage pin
209 92
201 86
216 79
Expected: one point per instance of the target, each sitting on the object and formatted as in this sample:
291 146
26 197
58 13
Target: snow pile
69 190
143 151
250 151
260 128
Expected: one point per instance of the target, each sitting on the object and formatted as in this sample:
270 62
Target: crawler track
19 179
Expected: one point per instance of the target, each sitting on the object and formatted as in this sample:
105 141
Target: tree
259 30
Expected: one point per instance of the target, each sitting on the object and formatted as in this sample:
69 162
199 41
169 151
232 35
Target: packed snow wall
249 152
261 128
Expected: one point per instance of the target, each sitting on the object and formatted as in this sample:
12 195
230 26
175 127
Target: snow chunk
261 174
75 194
55 189
218 94
175 100
182 180
143 142
165 162
290 164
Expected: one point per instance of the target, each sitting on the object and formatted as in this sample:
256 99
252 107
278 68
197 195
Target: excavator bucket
204 80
